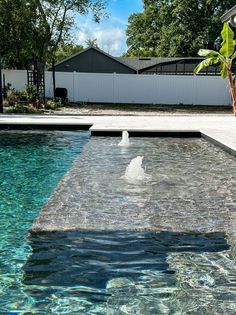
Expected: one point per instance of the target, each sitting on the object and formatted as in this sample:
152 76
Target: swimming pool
32 163
164 246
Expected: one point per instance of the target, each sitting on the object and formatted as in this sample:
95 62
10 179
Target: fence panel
132 88
139 89
211 91
95 87
17 78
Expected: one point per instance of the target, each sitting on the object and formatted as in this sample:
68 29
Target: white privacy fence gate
132 88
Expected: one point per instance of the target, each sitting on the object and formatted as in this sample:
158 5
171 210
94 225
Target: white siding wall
132 88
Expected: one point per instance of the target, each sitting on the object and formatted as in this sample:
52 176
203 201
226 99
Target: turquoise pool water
31 165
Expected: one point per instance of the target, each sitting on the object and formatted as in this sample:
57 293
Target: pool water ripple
32 163
123 272
164 246
190 189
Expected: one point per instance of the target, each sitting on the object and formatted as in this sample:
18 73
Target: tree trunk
232 90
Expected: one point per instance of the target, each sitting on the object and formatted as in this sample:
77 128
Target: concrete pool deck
219 128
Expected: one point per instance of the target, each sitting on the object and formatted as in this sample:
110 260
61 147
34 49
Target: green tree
16 31
143 30
56 20
224 57
66 51
40 26
172 28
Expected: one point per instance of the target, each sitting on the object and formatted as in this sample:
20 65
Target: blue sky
110 33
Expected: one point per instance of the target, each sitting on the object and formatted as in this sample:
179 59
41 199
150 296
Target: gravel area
140 110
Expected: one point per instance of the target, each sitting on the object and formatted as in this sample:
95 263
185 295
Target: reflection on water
131 273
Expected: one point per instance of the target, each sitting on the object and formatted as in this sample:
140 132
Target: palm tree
224 58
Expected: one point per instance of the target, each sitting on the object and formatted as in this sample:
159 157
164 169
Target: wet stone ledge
94 196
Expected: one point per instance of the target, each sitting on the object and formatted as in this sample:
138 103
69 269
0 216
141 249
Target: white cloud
110 39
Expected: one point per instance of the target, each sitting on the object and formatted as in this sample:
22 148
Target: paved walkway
221 129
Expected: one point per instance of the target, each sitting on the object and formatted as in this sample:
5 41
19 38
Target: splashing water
125 139
134 171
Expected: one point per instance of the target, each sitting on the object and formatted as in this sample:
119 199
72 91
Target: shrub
53 105
21 95
23 109
31 93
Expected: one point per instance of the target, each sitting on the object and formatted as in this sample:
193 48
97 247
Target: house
173 66
230 16
95 60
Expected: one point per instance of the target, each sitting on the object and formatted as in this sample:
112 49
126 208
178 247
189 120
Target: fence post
1 101
114 86
53 80
74 86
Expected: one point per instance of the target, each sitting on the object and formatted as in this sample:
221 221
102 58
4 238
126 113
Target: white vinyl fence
132 88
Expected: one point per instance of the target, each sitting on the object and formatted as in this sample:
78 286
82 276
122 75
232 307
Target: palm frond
208 53
228 44
206 63
223 71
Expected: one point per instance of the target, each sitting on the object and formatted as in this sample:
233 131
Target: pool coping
170 133
58 126
219 130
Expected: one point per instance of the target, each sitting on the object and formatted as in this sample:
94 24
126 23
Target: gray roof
226 17
140 63
134 63
97 49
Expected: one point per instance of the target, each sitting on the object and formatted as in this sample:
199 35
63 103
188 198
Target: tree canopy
40 27
172 28
66 51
